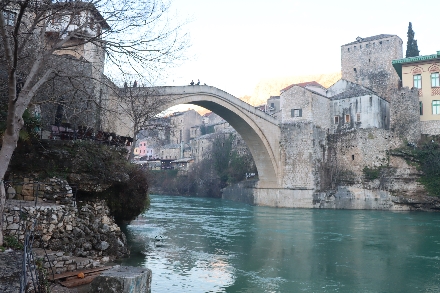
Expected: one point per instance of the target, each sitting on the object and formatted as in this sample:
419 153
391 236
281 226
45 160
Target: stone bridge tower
367 61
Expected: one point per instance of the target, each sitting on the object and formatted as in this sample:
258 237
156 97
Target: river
213 245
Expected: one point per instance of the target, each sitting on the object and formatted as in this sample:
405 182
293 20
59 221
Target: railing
29 269
66 133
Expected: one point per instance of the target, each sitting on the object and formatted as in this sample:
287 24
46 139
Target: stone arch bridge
259 130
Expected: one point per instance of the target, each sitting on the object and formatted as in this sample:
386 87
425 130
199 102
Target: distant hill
272 86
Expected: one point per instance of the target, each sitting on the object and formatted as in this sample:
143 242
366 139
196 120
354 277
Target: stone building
170 152
367 62
422 73
145 150
211 118
329 135
181 123
342 107
201 147
273 106
195 131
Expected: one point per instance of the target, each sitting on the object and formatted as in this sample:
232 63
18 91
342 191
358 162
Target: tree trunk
14 123
133 145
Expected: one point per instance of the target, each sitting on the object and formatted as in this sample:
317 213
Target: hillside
272 86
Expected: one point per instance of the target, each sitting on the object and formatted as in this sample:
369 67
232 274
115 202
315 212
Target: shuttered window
296 112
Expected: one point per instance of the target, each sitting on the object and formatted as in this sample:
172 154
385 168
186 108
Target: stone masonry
84 231
367 61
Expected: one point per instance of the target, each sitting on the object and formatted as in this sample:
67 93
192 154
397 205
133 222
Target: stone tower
367 61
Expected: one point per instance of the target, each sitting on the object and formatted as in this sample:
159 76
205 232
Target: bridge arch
259 130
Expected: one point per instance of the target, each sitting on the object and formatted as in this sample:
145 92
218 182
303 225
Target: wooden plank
78 282
76 277
75 273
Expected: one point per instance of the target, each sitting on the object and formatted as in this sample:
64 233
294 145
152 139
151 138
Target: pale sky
236 43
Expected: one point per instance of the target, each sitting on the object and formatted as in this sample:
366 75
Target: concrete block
123 279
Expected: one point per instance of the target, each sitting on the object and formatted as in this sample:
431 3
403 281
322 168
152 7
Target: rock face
84 231
123 280
10 268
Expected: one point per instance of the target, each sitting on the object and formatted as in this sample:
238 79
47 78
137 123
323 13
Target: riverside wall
343 197
87 231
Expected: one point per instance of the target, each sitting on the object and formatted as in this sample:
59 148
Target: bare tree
135 35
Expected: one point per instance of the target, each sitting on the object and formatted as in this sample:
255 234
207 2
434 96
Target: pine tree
412 49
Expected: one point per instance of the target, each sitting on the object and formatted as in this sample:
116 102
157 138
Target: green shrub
371 173
428 156
12 242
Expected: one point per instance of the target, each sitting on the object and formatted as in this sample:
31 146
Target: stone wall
368 62
430 127
405 115
60 262
84 231
352 151
314 107
302 147
367 111
53 190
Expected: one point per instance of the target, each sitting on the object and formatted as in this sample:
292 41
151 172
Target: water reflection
212 245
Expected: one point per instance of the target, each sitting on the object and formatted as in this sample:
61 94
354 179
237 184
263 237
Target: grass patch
371 173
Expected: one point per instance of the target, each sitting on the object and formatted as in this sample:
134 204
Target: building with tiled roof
343 106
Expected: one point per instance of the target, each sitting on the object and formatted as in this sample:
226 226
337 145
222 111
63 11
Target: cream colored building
423 73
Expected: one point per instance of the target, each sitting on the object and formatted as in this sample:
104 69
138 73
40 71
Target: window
296 112
421 108
436 107
272 105
336 119
347 118
354 69
435 82
417 81
9 17
358 117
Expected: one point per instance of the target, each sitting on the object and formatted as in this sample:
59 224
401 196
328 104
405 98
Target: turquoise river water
213 245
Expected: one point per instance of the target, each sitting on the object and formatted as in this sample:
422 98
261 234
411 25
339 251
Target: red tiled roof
303 84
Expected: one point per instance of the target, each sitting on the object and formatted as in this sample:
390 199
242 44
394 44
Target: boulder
11 192
122 279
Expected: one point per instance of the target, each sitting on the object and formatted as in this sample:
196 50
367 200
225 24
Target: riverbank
343 197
